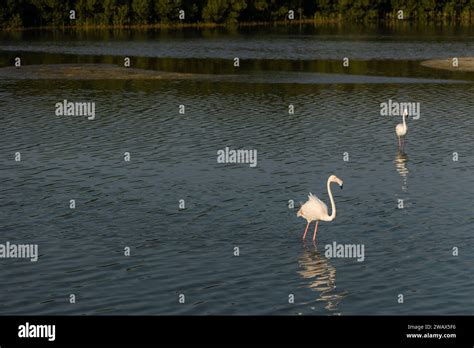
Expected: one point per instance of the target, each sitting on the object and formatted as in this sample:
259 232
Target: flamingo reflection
401 161
320 276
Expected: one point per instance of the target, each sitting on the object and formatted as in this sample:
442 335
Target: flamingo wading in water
315 210
401 129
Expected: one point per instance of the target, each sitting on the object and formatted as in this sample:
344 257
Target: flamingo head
335 179
405 113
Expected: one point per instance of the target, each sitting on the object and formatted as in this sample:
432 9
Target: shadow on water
218 66
319 275
401 161
380 50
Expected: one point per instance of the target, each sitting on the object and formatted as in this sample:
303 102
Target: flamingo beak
342 186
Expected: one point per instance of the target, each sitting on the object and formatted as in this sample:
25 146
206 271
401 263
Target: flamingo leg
315 230
399 142
307 225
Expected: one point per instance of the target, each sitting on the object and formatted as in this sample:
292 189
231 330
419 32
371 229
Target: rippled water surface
173 156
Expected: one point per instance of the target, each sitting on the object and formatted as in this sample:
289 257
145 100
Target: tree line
58 13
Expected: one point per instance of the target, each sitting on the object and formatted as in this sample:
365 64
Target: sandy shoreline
464 64
88 72
106 72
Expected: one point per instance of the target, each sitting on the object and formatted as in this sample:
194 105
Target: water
173 156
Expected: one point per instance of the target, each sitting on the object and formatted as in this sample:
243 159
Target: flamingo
401 129
315 210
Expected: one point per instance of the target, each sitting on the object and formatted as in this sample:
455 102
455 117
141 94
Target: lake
226 235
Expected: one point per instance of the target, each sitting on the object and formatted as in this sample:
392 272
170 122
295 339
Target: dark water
173 156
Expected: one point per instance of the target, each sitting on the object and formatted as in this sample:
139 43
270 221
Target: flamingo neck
404 122
333 205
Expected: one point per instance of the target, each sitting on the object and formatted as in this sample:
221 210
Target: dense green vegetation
56 13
